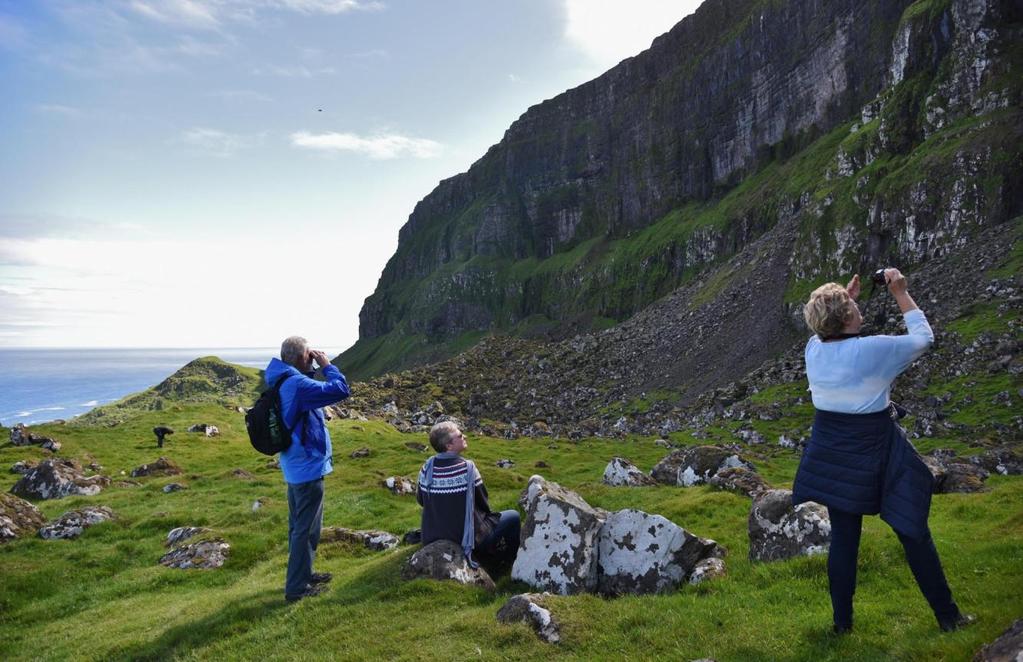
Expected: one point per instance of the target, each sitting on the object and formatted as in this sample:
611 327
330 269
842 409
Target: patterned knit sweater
444 502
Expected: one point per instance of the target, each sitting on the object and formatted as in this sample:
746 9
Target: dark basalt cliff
872 131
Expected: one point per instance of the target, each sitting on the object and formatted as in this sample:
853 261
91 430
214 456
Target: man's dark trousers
305 517
920 554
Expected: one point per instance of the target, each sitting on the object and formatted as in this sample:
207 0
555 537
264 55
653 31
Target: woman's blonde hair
829 309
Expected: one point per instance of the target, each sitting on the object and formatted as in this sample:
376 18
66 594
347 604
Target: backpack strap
277 394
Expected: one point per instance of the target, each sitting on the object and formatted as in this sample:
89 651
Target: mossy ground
104 596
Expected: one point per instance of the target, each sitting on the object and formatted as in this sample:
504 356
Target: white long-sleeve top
854 376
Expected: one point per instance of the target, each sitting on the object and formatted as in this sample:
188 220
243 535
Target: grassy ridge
103 596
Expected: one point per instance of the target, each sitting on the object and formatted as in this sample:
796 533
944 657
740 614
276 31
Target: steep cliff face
891 128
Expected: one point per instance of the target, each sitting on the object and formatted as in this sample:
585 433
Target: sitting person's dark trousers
452 511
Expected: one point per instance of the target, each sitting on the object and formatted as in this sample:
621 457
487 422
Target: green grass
104 596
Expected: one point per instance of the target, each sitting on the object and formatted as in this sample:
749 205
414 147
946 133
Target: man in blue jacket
308 459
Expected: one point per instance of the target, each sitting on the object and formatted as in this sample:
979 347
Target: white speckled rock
399 485
621 472
202 555
696 464
557 548
174 536
528 608
708 568
444 560
377 541
18 517
777 530
56 479
640 553
71 524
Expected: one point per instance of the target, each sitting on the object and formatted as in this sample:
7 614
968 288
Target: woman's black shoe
841 629
961 621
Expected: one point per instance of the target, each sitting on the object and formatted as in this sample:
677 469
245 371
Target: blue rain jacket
863 464
310 455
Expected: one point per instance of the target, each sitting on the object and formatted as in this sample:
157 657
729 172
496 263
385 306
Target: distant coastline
45 384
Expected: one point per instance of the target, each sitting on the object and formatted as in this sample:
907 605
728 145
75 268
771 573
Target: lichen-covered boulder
205 428
954 475
174 536
1008 647
173 487
359 453
22 467
696 464
504 463
242 474
558 542
202 555
711 567
529 608
399 485
778 530
444 560
71 524
162 467
1004 461
20 435
741 480
18 518
640 553
56 479
621 472
377 541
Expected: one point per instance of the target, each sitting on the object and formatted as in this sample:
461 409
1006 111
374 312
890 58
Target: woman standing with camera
858 461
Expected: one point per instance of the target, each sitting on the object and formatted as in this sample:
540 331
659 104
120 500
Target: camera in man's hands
878 277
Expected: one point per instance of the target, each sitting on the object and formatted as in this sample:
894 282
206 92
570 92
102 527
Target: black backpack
267 431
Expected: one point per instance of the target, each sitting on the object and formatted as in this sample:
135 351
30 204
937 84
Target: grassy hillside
104 596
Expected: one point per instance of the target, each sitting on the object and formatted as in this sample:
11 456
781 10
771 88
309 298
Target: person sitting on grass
455 504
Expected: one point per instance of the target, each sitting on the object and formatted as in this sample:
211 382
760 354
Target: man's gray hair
441 434
293 349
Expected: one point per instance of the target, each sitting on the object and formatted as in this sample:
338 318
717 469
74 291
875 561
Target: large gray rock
71 524
1004 461
741 480
205 428
203 555
529 608
22 467
694 465
639 553
777 530
56 479
1008 647
182 533
444 560
557 548
377 541
621 472
954 475
18 518
399 485
162 467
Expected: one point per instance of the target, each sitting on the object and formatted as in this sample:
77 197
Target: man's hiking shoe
309 592
320 578
961 621
841 629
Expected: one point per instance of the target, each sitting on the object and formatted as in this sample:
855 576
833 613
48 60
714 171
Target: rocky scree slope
885 132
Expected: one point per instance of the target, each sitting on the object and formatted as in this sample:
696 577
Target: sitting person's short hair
441 434
829 309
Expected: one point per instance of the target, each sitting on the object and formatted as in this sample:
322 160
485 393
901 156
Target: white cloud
327 6
380 146
293 72
180 293
218 143
181 12
59 109
608 31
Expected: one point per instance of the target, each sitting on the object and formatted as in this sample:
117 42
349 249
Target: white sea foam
90 403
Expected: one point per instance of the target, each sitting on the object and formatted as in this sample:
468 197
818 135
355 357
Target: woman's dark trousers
920 553
305 517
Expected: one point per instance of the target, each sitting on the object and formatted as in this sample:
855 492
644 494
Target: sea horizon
43 384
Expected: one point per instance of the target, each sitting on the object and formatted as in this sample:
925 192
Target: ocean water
38 385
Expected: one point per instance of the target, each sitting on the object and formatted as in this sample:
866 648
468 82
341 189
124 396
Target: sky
226 173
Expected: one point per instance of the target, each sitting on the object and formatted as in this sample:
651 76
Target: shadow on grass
232 619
